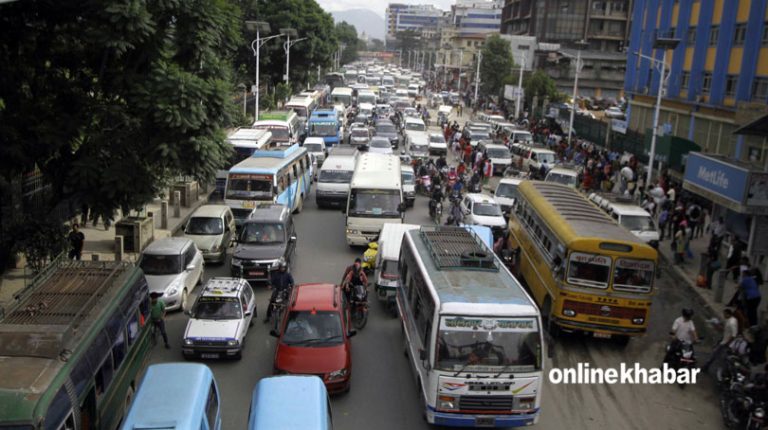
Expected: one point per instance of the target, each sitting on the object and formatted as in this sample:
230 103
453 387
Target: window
118 350
619 6
691 35
739 34
730 85
212 407
58 410
189 255
598 5
760 89
81 375
685 80
706 82
714 33
104 376
133 328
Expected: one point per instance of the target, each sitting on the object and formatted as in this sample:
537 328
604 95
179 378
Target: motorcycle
436 211
680 355
425 185
359 306
369 258
278 306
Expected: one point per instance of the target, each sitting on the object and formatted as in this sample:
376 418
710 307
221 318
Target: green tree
347 34
496 65
111 99
540 84
376 45
408 40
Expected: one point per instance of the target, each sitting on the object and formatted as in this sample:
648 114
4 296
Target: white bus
342 95
473 335
303 106
244 141
375 197
335 176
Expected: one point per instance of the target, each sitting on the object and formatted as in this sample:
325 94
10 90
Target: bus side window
58 410
295 172
212 406
104 375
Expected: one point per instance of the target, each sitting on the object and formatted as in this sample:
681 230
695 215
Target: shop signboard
717 177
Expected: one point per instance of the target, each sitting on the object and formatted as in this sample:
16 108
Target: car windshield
156 264
418 148
385 129
408 178
374 203
389 269
478 134
313 328
415 126
488 345
436 138
589 270
322 129
633 275
561 178
380 143
507 190
359 132
243 186
638 223
335 176
314 147
262 233
547 157
204 226
217 308
498 153
486 209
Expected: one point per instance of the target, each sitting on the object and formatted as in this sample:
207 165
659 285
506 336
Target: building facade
718 73
419 17
476 17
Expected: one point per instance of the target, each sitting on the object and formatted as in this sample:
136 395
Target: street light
289 32
664 43
579 46
519 89
241 86
258 26
477 74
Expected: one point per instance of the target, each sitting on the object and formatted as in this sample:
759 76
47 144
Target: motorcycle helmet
687 313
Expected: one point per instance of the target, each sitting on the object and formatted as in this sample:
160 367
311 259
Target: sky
377 6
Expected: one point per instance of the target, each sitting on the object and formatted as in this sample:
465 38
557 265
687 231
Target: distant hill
363 20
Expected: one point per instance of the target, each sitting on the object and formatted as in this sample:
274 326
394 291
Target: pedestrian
157 315
750 296
734 257
713 265
694 217
730 331
678 246
76 241
487 172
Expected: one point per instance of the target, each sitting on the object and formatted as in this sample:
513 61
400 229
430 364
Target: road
383 394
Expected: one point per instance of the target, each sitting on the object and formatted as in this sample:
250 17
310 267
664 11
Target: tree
540 84
308 19
407 40
347 35
376 45
111 100
496 65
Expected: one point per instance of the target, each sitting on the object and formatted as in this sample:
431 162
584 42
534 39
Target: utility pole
256 47
477 73
519 89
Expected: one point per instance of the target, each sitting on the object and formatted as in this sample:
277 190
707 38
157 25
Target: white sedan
380 145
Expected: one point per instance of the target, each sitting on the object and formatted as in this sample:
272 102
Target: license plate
602 335
249 204
256 273
209 355
485 421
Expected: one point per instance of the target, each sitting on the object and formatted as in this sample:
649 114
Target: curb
682 278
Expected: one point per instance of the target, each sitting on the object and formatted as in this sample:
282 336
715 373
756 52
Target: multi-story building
718 72
476 17
403 17
603 25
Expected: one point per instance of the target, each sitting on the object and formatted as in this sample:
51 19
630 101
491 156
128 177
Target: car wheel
184 300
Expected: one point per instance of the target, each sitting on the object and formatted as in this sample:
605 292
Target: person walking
76 241
730 331
157 315
751 297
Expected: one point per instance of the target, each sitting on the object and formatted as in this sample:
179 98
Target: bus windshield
373 203
217 308
637 223
248 187
313 328
488 344
589 270
322 129
633 275
335 176
279 132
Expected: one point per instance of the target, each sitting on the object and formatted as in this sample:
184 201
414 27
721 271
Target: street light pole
287 46
477 74
256 47
580 45
461 62
519 89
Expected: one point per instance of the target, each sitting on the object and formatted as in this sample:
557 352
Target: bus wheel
128 399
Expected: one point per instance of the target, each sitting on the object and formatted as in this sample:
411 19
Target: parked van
630 216
212 228
335 176
290 402
194 405
386 276
530 158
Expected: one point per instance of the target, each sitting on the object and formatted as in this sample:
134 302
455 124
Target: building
476 17
404 17
603 25
718 72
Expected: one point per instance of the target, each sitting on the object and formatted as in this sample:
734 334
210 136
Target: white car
212 228
500 157
409 184
173 267
220 319
380 145
359 136
614 112
506 193
482 209
437 144
316 145
563 175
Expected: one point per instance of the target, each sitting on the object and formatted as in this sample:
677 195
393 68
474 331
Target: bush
40 240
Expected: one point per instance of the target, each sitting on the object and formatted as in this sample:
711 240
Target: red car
314 336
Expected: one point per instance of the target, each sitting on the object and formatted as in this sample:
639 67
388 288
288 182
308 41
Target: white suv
220 319
481 209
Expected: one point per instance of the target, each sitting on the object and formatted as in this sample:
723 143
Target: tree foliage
540 84
407 40
376 45
112 98
347 34
496 65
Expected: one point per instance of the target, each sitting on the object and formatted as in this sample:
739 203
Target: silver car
173 267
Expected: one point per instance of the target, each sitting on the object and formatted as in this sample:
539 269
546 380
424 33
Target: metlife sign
717 177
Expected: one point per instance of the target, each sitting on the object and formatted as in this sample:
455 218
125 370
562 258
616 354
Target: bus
303 105
244 141
342 95
278 175
194 405
334 80
586 272
375 197
473 335
290 402
73 347
325 123
285 126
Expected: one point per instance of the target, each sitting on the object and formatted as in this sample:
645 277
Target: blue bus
276 175
290 402
180 396
325 123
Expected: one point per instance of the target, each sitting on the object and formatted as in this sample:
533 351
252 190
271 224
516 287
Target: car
385 128
475 134
563 175
499 155
380 145
411 112
219 320
482 209
316 145
359 136
414 124
313 336
267 237
614 112
418 144
212 228
437 144
409 184
173 267
506 194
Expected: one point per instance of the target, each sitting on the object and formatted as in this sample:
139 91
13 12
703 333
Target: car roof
210 211
564 171
495 146
411 119
513 181
167 246
481 198
314 139
223 287
321 297
269 212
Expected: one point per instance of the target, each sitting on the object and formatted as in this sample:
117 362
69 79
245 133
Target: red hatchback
314 336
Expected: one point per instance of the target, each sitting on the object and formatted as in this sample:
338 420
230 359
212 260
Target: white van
563 175
630 216
520 136
530 158
386 276
409 184
335 176
500 157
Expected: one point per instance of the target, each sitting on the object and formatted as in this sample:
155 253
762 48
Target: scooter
359 306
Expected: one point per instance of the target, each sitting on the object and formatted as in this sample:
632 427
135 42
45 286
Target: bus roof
462 269
391 237
301 101
250 137
268 160
570 215
380 171
276 116
289 402
342 91
153 408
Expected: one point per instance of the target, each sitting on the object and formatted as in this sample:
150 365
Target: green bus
73 347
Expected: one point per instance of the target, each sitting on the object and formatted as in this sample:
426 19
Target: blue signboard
716 176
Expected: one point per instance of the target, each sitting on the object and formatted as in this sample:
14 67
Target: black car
266 237
385 128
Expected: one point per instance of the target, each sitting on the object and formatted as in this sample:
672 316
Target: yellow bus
585 272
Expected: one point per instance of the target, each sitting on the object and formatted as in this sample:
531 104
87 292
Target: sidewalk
99 243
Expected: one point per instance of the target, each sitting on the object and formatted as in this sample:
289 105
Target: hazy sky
377 6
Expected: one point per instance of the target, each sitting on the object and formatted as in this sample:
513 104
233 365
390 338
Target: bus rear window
633 275
589 270
248 187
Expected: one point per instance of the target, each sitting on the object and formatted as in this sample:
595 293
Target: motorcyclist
437 196
457 216
279 281
353 275
440 163
683 330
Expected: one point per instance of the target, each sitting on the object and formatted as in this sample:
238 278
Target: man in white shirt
683 328
730 332
671 194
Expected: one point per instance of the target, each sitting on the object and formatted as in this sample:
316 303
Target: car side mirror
273 333
190 267
352 333
422 355
248 313
401 207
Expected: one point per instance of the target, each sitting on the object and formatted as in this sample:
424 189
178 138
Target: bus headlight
638 320
447 402
526 402
569 313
